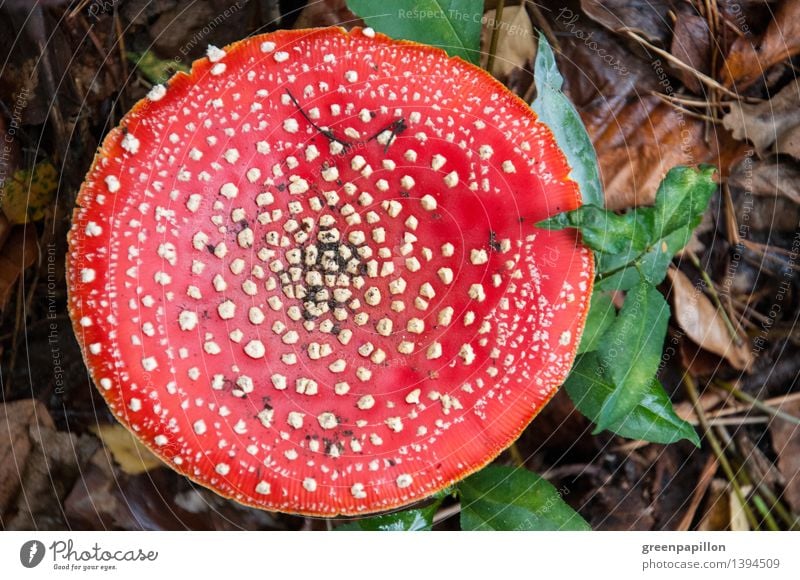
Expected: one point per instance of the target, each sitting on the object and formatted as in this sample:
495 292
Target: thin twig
498 20
757 403
702 77
716 448
712 290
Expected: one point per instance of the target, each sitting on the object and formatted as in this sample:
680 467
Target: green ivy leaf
638 245
454 25
652 419
154 69
600 316
681 200
631 350
558 113
605 231
413 520
506 498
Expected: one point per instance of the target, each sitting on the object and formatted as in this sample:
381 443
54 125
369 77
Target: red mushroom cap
307 275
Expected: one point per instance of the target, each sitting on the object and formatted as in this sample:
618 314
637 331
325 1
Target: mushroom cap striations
307 275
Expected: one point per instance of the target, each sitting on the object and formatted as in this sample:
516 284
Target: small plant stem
761 506
774 503
714 296
716 448
759 485
516 456
498 19
757 403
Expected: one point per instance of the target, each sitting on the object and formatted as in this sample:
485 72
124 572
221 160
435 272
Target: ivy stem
757 403
716 448
516 456
758 485
714 296
498 19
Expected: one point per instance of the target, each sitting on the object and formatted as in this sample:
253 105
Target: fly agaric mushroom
307 276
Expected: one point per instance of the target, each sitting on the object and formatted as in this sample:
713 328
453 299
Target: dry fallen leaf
28 194
38 466
648 17
786 443
773 125
691 44
703 323
516 44
18 253
748 61
636 146
131 456
723 509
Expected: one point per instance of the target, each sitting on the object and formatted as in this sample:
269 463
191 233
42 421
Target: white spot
255 349
149 363
434 351
404 480
428 202
113 183
279 56
223 469
187 320
357 490
508 167
157 93
366 402
290 125
451 179
478 257
130 143
229 190
214 54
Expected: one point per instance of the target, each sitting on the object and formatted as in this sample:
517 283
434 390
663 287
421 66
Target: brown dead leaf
649 18
723 509
703 323
18 253
131 456
327 13
639 143
38 466
16 420
769 178
786 443
516 44
773 125
691 44
748 61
